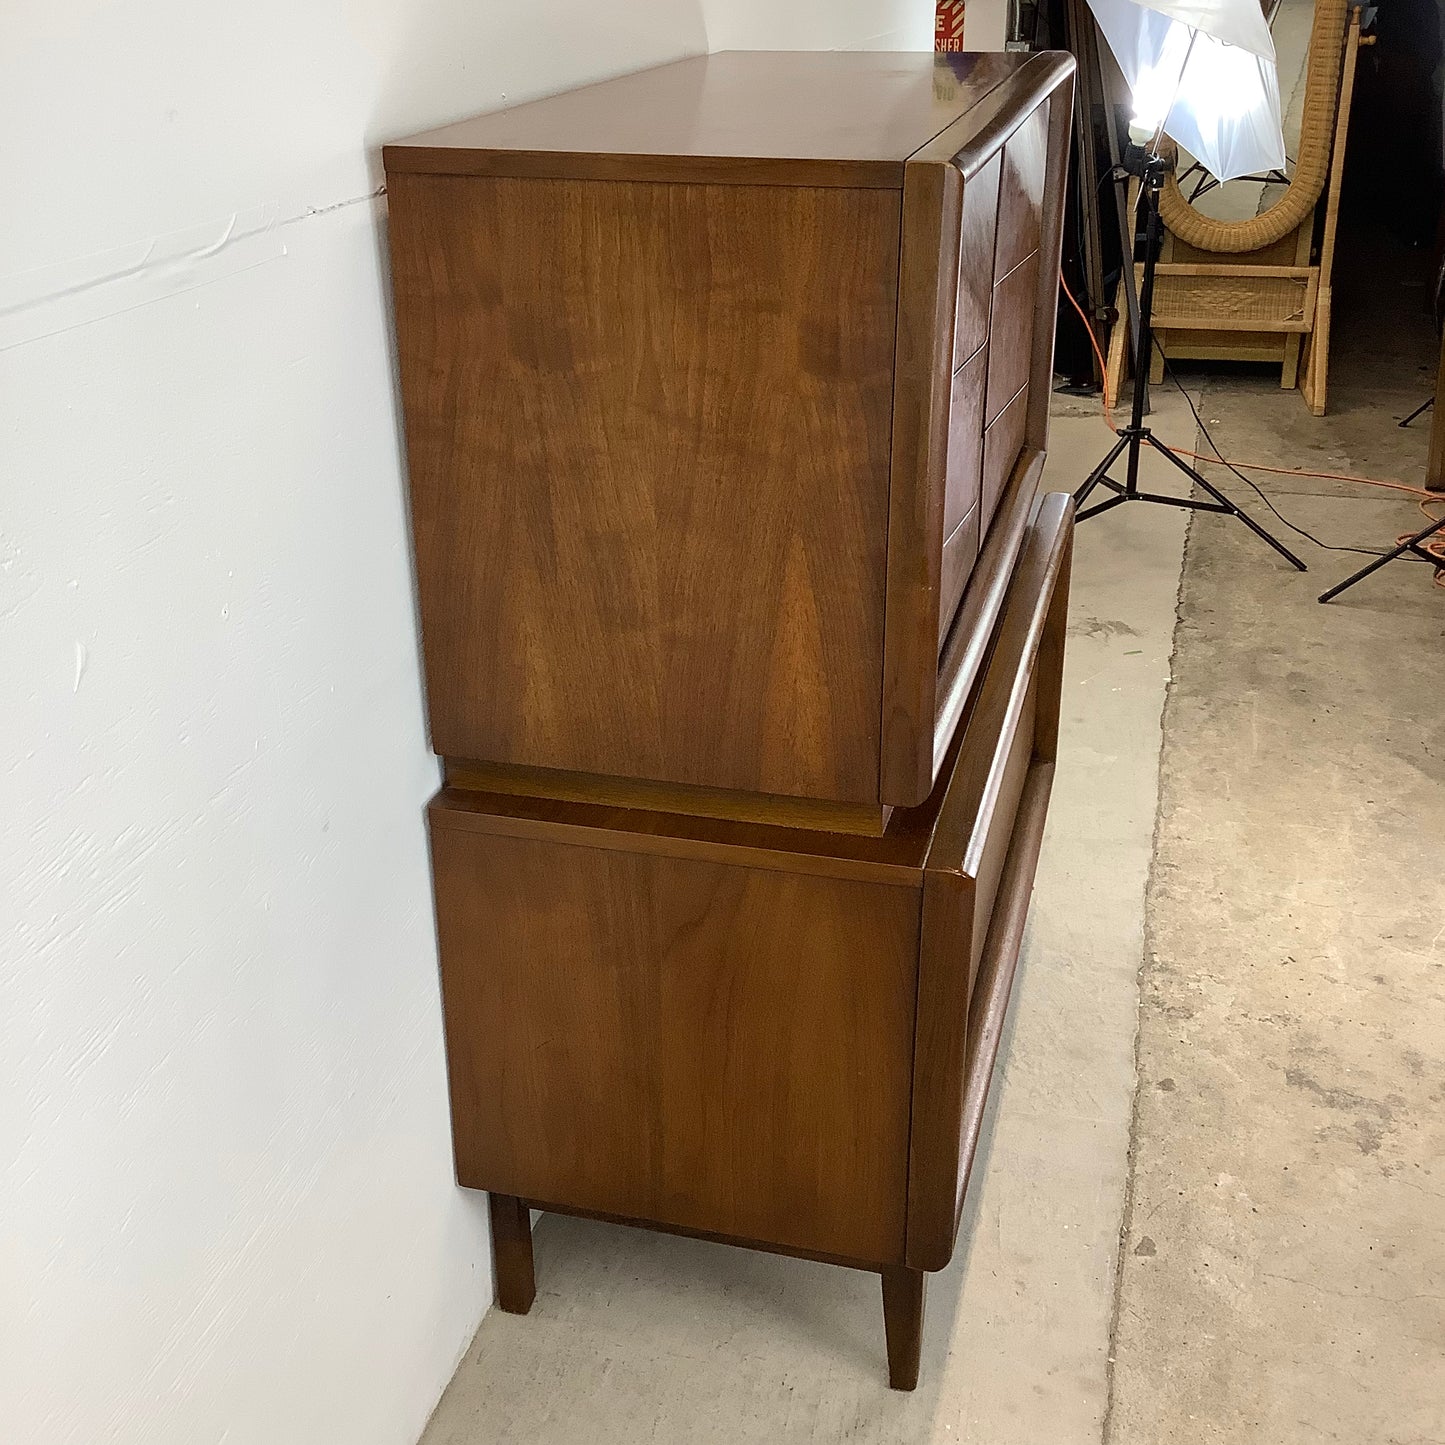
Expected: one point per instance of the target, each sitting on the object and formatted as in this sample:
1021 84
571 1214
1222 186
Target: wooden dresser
726 393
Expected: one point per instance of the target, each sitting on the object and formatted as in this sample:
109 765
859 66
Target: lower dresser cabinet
780 1037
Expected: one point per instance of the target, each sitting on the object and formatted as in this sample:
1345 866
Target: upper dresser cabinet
726 390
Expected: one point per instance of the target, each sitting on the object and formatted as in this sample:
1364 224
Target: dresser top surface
838 107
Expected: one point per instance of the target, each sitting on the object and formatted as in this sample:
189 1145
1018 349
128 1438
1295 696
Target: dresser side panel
697 1045
648 441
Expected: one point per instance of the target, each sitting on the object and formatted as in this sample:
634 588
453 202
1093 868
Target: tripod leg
1410 544
1423 407
1117 501
1099 472
1229 506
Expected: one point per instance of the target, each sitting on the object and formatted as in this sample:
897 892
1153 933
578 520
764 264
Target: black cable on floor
1249 481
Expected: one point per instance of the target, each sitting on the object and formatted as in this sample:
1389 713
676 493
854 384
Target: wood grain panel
1021 192
965 441
705 1046
1011 335
975 258
1002 443
648 436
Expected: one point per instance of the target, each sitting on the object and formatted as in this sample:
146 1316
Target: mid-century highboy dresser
726 393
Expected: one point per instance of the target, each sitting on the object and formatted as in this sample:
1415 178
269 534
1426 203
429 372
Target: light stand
1151 168
1414 545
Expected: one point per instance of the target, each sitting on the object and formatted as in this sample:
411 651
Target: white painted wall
985 24
226 1206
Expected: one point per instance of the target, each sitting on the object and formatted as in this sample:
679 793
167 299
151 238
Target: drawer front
975 259
962 486
690 1043
978 877
1002 444
1011 334
1021 192
1015 757
960 552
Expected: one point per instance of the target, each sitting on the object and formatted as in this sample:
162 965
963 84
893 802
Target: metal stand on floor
1413 545
1152 168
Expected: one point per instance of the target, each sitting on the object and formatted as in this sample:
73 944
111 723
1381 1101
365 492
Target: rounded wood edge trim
971 633
965 812
977 134
932 1224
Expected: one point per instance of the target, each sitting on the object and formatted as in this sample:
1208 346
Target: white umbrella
1203 71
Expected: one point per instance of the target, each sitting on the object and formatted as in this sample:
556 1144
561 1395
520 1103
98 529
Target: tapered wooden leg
903 1290
512 1253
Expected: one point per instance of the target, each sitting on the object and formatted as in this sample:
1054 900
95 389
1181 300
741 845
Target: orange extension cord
1435 546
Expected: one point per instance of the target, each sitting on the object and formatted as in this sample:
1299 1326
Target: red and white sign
948 26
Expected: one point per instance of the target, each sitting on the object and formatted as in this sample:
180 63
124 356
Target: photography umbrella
1203 73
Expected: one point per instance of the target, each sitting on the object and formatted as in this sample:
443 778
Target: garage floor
1283 1276
1276 1174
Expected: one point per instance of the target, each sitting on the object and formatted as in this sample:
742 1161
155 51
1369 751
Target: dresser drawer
1012 317
962 485
1021 192
976 258
960 552
1002 443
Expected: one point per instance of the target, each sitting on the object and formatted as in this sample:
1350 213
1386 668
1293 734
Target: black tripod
1413 544
1151 169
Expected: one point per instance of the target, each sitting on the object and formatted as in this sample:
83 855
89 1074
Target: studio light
1203 73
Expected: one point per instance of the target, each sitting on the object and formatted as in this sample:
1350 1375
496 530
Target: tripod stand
1151 168
1413 544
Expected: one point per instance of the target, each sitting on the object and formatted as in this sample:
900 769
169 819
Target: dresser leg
903 1323
512 1253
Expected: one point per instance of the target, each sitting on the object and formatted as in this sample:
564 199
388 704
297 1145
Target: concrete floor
1275 1180
1283 1276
